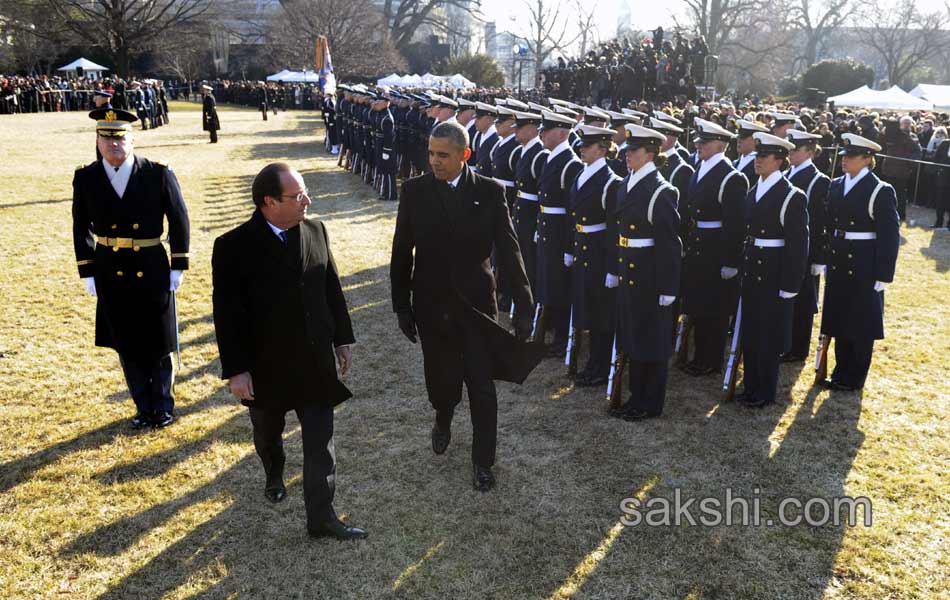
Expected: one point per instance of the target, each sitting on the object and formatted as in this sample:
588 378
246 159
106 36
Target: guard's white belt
636 242
590 228
855 235
504 182
709 224
768 243
555 210
528 196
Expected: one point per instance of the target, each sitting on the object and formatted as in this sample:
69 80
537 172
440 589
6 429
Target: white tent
890 99
412 80
295 76
459 81
393 79
86 65
938 94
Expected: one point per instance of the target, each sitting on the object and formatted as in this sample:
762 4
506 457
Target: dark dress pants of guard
150 383
601 347
214 136
709 336
647 386
319 456
451 355
852 361
558 320
760 373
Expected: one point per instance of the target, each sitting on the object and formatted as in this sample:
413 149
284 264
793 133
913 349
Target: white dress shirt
766 184
277 230
669 153
707 165
640 174
534 140
455 182
794 170
589 171
563 146
119 176
849 181
745 159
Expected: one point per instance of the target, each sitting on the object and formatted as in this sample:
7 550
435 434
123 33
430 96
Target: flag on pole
325 66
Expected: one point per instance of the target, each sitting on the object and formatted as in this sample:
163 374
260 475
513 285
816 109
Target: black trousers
454 352
150 383
558 319
852 361
601 348
760 374
802 320
709 336
214 136
319 457
647 385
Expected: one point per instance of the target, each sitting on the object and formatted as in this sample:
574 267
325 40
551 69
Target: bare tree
405 17
586 16
817 20
720 21
123 27
359 42
903 37
547 31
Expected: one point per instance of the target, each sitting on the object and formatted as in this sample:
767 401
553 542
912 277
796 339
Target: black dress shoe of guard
556 351
618 412
756 402
141 420
162 419
594 381
840 387
792 358
275 495
337 529
483 478
639 415
440 439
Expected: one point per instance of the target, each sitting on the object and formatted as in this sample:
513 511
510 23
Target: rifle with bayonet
735 357
681 348
821 358
573 347
615 380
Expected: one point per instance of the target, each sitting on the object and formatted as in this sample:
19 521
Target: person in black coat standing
942 156
864 238
449 222
804 175
645 258
774 259
120 204
209 114
282 327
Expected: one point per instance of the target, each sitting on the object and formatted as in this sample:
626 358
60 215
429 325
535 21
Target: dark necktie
283 237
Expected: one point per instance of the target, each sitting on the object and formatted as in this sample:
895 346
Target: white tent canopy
393 79
295 76
938 94
85 64
890 99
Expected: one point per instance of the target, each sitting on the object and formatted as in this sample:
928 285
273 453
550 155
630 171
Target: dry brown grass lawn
90 509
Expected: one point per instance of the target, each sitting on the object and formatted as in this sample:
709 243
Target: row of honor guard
628 236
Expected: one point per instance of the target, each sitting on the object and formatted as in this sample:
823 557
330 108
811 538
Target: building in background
519 70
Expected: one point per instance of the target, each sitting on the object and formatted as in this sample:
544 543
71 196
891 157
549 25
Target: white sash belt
635 242
554 210
504 182
527 196
768 243
709 224
590 228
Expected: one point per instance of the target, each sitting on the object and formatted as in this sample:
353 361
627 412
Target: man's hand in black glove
407 323
522 327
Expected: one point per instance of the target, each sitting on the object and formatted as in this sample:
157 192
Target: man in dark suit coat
281 320
209 114
452 218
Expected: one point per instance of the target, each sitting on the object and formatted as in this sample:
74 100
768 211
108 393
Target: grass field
91 509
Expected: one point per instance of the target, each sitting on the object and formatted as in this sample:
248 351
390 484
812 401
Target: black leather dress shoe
141 420
556 351
743 397
792 358
483 479
440 439
275 495
697 370
593 381
337 529
639 415
840 387
757 402
162 419
618 412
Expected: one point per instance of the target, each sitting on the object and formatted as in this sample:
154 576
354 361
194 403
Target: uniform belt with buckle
553 210
635 242
505 182
590 228
767 242
841 234
709 224
128 242
527 196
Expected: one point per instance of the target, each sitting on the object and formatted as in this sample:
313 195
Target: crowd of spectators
52 93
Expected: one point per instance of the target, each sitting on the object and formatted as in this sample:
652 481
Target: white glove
612 281
728 272
818 269
174 280
90 283
666 300
879 286
568 260
385 156
786 295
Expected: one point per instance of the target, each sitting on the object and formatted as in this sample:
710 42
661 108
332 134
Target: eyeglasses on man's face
299 196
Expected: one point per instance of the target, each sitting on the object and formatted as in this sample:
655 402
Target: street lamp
518 53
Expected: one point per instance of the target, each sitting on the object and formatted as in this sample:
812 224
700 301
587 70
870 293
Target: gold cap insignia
110 116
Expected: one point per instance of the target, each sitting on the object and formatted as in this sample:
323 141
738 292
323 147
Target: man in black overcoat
282 326
209 114
442 286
